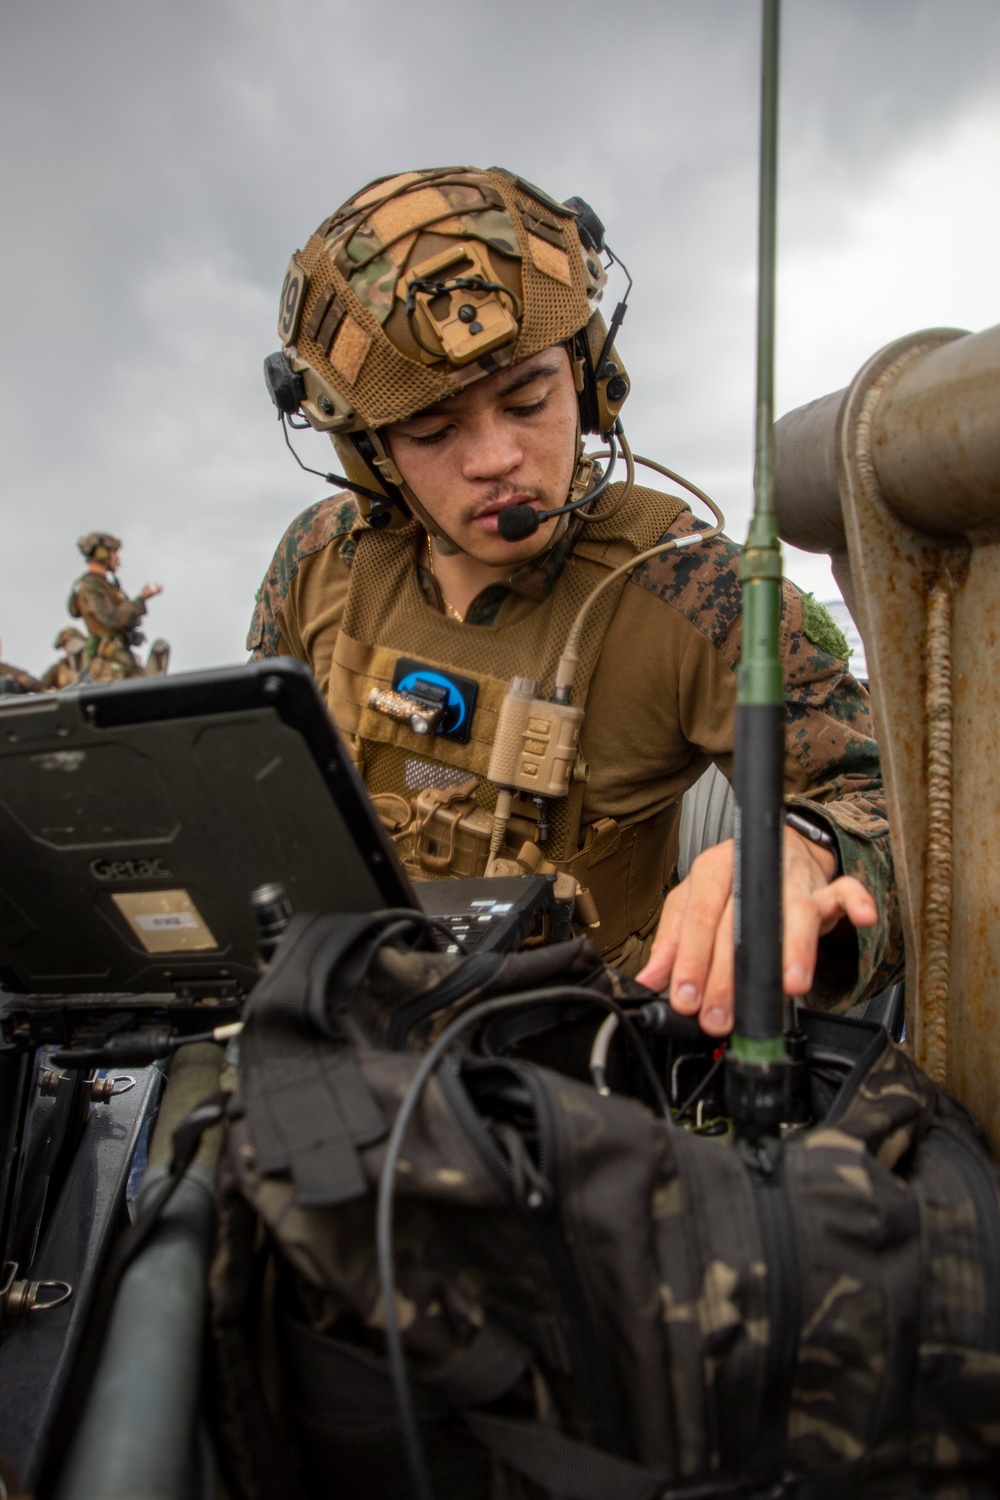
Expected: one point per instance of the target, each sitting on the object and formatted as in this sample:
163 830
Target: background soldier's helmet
422 284
70 638
98 545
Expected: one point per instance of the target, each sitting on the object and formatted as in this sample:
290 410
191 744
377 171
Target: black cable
700 1088
412 1441
618 317
337 479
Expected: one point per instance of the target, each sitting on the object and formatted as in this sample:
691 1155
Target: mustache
501 493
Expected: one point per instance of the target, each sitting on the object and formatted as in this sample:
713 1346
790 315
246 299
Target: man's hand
693 947
150 591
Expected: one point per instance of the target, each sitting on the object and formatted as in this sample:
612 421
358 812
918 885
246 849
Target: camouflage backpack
594 1303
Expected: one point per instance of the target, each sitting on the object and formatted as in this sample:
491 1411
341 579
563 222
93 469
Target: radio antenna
756 1062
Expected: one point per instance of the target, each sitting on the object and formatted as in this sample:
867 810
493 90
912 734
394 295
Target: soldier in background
64 672
109 615
14 680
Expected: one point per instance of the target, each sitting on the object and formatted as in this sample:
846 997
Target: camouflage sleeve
270 633
831 758
830 734
50 680
96 598
264 635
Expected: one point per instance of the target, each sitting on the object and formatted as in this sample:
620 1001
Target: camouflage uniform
661 703
64 672
109 616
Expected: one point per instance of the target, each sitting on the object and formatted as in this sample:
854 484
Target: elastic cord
567 665
629 484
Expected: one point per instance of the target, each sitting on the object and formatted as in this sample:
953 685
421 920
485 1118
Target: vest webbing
387 616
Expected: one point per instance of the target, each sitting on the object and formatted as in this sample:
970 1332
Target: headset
602 384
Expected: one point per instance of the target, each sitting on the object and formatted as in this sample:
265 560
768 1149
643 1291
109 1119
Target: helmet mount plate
462 316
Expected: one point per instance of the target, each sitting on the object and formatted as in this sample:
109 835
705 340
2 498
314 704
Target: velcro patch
409 211
350 348
549 260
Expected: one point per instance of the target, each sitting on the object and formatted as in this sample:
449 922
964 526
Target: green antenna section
760 675
756 1067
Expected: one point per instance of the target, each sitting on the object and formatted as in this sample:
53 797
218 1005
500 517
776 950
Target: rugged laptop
137 817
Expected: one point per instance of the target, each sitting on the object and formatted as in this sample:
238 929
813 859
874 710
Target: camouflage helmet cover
69 635
99 545
364 319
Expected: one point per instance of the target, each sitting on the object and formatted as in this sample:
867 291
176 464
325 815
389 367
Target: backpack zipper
585 1351
474 973
766 1166
980 1182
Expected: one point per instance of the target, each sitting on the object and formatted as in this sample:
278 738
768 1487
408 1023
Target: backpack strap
561 1466
308 1107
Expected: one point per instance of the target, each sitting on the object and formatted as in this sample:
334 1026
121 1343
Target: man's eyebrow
515 383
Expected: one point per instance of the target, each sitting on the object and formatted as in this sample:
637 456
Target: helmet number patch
292 297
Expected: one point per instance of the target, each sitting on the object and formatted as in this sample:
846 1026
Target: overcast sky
162 160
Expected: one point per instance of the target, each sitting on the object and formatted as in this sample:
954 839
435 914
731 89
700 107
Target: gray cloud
164 160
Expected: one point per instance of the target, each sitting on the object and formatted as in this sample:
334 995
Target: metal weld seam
938 849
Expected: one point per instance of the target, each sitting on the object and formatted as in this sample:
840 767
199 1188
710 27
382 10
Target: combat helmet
99 545
423 283
69 633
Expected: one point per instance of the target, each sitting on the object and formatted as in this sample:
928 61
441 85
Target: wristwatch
814 832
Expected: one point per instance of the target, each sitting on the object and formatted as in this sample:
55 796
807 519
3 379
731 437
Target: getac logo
154 868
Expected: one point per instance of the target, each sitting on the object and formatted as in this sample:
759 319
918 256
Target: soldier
109 615
64 672
15 680
442 326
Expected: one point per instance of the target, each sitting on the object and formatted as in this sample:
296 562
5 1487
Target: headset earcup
603 395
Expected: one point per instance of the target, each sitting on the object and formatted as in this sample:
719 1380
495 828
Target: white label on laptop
165 921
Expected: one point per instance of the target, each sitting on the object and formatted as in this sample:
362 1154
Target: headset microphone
520 521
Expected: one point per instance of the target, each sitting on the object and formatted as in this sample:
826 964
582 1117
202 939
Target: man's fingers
710 886
809 915
693 947
656 973
845 897
716 1015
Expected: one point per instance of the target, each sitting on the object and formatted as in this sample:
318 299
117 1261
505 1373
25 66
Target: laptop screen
137 817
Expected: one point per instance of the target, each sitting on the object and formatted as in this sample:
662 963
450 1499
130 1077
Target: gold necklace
449 609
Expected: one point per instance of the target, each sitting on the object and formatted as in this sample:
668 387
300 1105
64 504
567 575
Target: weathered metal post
898 477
